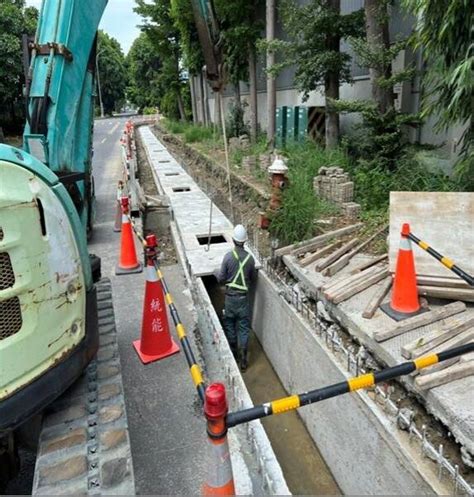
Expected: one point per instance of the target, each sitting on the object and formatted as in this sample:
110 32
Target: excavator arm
60 95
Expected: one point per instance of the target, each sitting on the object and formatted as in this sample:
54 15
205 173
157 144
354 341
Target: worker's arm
222 275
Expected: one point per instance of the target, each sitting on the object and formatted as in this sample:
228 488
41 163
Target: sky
118 21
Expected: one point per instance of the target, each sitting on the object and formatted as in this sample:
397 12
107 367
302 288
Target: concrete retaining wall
363 449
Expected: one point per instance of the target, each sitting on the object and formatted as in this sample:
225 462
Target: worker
238 274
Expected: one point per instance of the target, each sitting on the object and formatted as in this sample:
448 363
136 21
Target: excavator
48 307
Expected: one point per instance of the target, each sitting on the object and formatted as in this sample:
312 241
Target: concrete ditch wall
362 447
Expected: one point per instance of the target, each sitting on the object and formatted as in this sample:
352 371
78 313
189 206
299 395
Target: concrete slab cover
443 220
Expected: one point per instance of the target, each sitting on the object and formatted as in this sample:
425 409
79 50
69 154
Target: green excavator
48 311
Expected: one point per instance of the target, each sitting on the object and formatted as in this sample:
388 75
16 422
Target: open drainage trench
351 431
304 468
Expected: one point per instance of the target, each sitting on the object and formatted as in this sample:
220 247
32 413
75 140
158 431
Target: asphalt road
167 432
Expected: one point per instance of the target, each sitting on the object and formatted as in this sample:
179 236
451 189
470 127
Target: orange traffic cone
118 212
404 302
128 262
155 342
220 479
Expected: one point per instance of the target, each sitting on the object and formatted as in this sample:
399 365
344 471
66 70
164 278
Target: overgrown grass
192 133
300 207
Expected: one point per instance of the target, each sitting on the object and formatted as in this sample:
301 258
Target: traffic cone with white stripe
128 262
404 302
155 342
118 212
220 479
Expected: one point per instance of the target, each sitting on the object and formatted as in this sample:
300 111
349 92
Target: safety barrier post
448 263
118 212
220 479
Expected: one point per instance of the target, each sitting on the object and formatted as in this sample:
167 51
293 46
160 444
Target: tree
165 38
443 32
15 20
239 32
144 73
316 30
112 72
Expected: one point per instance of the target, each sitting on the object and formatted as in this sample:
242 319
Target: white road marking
113 129
103 140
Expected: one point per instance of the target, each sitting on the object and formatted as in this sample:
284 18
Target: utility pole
271 89
98 85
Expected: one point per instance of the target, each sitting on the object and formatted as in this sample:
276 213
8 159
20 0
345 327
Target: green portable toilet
280 126
290 125
301 118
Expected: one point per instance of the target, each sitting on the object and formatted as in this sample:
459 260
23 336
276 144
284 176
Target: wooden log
306 261
461 339
442 282
376 300
316 242
335 255
368 264
330 290
420 320
447 293
467 357
456 372
345 259
437 367
361 286
423 345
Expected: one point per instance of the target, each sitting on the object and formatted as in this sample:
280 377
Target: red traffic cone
220 479
128 262
118 212
155 342
405 302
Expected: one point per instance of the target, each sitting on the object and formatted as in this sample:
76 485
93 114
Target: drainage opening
171 174
179 189
163 161
204 240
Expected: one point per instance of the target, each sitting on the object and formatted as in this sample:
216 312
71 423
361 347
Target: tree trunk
182 114
378 38
253 96
204 102
237 97
217 109
194 106
331 85
271 87
331 90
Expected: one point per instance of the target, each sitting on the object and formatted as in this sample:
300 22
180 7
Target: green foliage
312 27
444 32
239 31
183 20
165 38
300 207
144 65
112 72
373 183
195 133
15 20
235 125
380 139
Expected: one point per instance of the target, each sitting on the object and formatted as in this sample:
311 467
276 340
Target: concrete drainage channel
364 450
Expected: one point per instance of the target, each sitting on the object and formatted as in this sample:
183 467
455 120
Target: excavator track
84 444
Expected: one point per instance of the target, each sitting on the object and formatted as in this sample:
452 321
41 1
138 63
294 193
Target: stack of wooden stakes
456 328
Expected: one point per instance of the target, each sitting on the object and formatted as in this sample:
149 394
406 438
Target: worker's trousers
237 320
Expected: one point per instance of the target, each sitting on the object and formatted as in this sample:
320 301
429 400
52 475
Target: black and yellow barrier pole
364 381
194 368
446 261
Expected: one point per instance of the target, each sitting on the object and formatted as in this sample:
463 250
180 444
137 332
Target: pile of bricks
334 184
265 161
249 162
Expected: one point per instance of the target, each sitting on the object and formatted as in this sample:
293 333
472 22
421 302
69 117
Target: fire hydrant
279 181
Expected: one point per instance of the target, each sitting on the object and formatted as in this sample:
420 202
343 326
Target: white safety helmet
240 234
